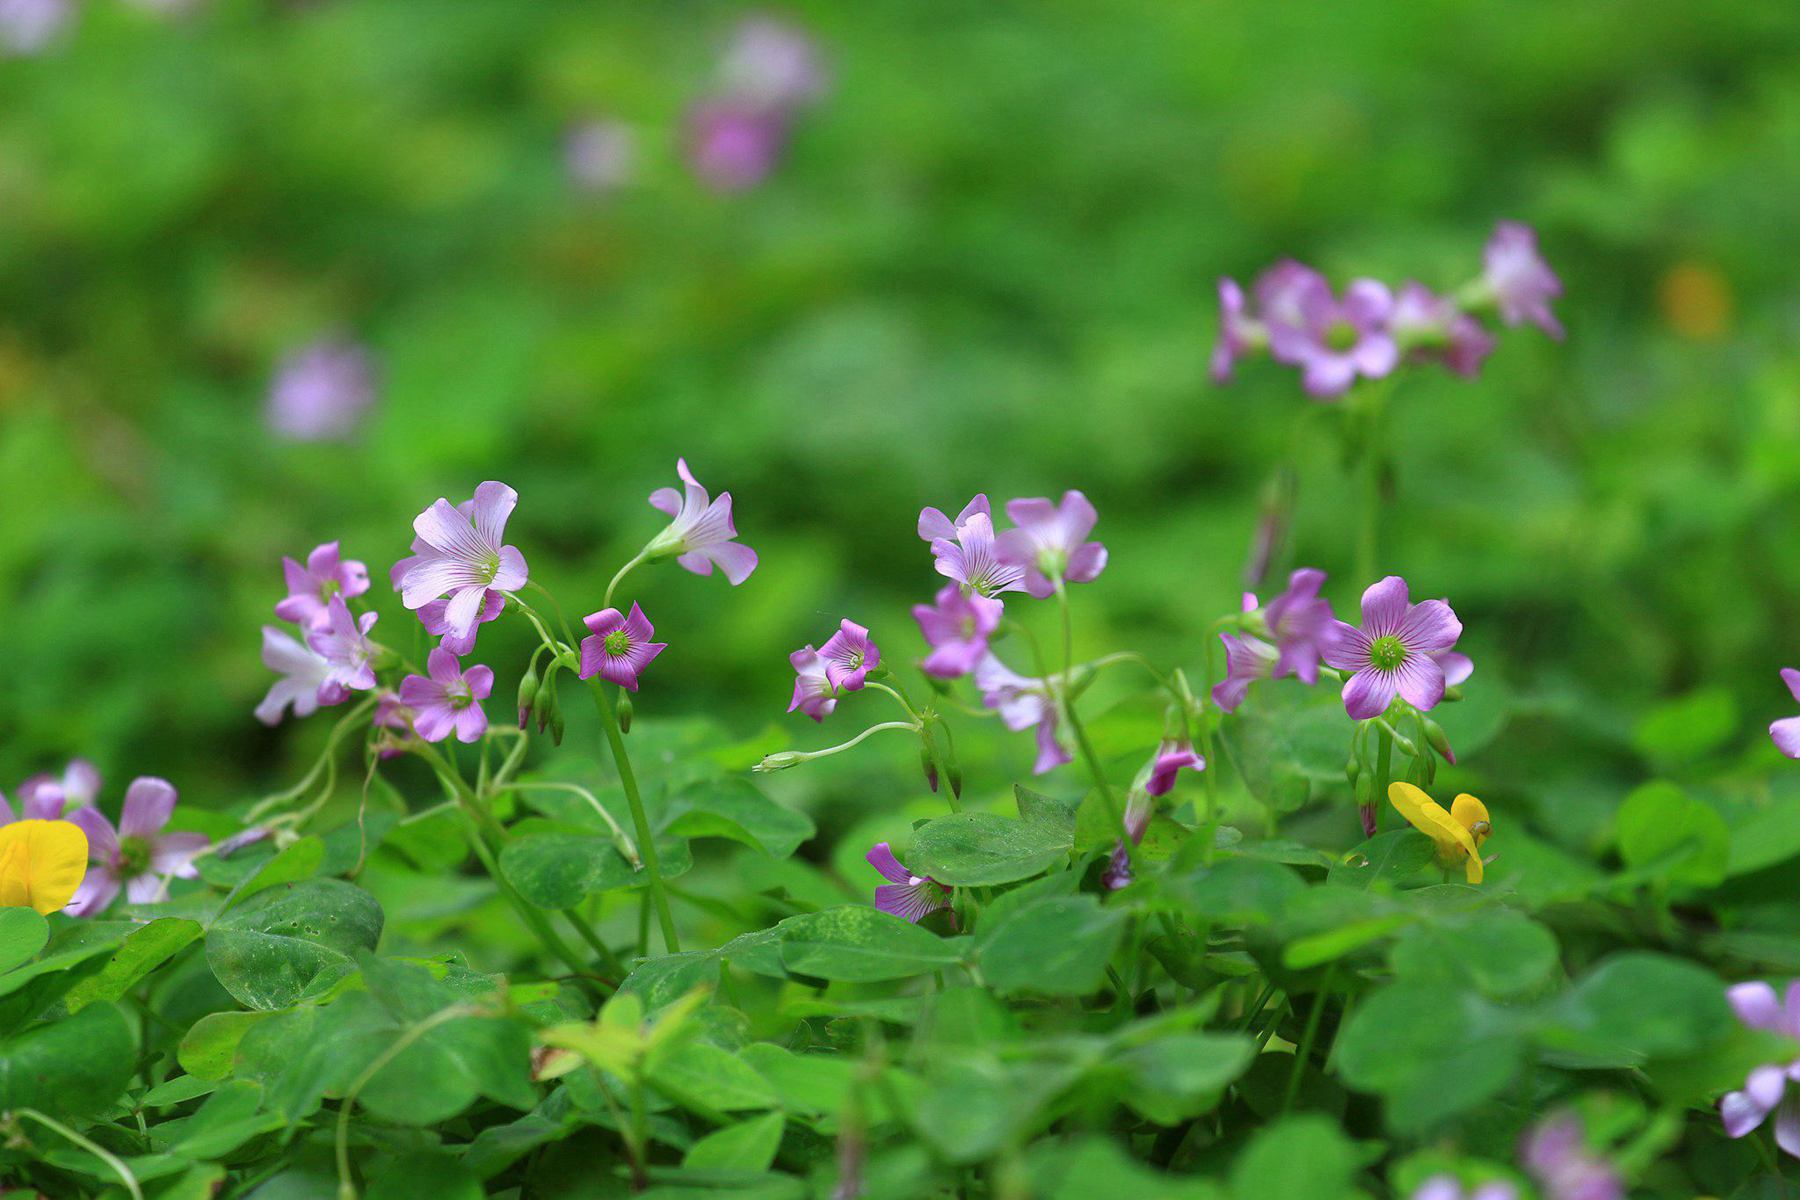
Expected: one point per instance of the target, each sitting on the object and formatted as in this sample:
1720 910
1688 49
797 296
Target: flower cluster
1766 1089
768 74
333 656
1293 314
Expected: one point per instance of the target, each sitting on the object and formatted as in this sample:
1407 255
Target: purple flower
1456 667
772 65
733 146
963 550
813 693
957 628
1331 340
343 642
321 392
437 624
1395 650
848 657
392 714
1171 756
1430 328
1299 618
1051 542
618 647
913 897
1758 1007
600 155
1239 332
311 587
29 26
1283 290
1022 703
702 534
462 553
46 798
447 698
1555 1152
1786 731
305 681
1247 659
1446 1187
138 855
1520 281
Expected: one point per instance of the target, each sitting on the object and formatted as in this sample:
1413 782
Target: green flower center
459 695
1341 336
617 642
134 856
328 589
1387 653
1052 563
489 567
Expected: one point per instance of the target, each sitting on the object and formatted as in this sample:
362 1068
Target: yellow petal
41 863
1429 817
1472 815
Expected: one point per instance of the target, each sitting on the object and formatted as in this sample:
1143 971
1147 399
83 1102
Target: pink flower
343 643
1299 618
1520 281
773 65
447 698
306 678
814 694
1332 340
1396 651
46 798
1239 332
848 657
956 628
137 856
1555 1153
311 587
28 27
963 549
913 897
1171 756
322 392
1759 1007
392 715
1051 543
1247 659
732 146
1786 732
618 647
1022 703
702 534
1430 328
461 552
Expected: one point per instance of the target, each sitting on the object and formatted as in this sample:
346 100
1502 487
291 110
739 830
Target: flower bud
956 781
1365 790
624 711
528 691
929 766
1434 733
781 760
556 727
1352 770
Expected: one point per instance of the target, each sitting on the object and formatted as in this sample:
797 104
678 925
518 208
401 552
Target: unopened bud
556 727
781 760
1365 790
929 766
528 691
625 711
956 781
1352 770
1434 733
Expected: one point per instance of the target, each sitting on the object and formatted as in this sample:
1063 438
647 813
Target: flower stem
623 572
347 1189
94 1148
1307 1039
1210 820
646 839
1113 813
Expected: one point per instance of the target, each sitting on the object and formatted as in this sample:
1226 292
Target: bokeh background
982 257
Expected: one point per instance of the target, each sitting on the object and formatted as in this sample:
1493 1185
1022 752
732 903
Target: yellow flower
1457 833
41 864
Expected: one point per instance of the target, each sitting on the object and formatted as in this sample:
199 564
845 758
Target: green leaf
1666 834
1430 1050
73 1067
981 849
1689 727
559 869
231 1116
1241 891
863 945
291 941
1095 1167
1638 1006
735 808
297 861
23 932
142 953
208 1048
1058 946
1387 858
1183 1075
1288 743
1300 1158
1500 954
748 1147
705 1079
423 1173
659 982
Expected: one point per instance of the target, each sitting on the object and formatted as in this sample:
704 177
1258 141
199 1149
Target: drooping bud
624 710
929 766
781 760
556 727
1353 770
1434 733
528 691
956 781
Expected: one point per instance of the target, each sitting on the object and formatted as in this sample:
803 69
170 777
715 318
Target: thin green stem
346 1188
1210 819
1067 703
625 570
327 757
100 1152
620 839
1308 1039
640 820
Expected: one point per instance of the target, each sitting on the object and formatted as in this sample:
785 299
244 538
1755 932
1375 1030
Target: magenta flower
28 27
1555 1153
702 534
814 694
1331 340
447 698
1239 332
311 587
848 657
1758 1007
956 628
437 624
1051 543
1520 281
913 897
1022 703
1394 651
1446 1187
1456 667
343 642
1299 618
1284 291
1430 328
46 797
322 391
1786 731
306 678
138 855
392 714
617 647
1171 756
1247 659
963 549
462 553
734 146
600 155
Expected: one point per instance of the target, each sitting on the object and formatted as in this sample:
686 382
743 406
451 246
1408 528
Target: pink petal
1785 733
1756 1004
1384 607
1368 693
494 503
149 801
480 680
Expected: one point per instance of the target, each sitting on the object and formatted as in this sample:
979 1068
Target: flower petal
1384 607
1368 693
149 801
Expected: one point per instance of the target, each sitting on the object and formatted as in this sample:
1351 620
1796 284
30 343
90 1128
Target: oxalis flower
1446 1187
47 797
1051 543
343 643
138 855
1555 1153
41 864
957 629
1156 779
1765 1089
702 534
848 656
1786 732
1171 756
461 553
1299 618
1239 333
618 647
447 699
1519 280
322 391
964 551
306 678
1247 659
1022 703
1430 328
1457 834
913 897
1333 341
814 693
311 587
1395 652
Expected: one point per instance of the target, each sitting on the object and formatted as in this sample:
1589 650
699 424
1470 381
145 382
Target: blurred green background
985 262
